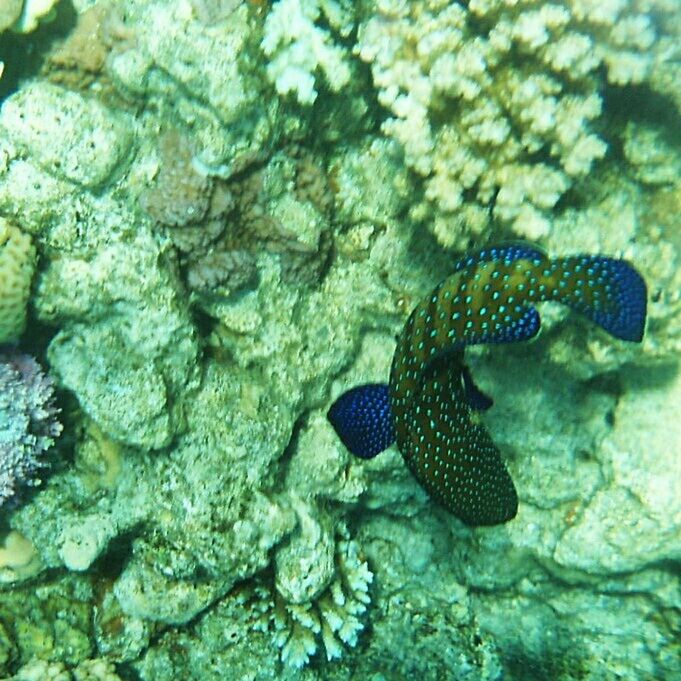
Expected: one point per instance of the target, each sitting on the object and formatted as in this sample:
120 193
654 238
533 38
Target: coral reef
232 207
28 422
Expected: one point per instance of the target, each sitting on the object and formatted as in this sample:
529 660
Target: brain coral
17 262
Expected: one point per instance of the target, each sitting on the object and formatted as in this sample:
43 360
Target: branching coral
494 103
335 618
28 423
297 47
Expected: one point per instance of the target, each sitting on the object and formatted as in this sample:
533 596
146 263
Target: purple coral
28 421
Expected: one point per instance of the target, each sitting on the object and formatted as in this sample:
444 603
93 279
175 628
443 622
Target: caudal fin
608 291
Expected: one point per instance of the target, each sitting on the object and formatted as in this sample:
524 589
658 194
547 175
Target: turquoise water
216 218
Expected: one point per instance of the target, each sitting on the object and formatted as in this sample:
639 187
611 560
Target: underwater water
340 340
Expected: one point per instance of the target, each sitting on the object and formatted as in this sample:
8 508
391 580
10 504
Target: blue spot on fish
427 406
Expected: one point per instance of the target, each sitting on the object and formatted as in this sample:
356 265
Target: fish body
428 403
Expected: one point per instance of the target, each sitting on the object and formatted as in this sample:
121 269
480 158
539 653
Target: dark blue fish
427 405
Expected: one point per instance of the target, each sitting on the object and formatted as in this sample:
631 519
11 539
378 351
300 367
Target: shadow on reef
652 378
639 104
555 664
23 53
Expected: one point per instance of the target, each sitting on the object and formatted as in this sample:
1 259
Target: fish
431 407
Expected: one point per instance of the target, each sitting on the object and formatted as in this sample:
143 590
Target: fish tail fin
363 419
608 291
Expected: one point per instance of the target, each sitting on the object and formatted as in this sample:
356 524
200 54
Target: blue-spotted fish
429 405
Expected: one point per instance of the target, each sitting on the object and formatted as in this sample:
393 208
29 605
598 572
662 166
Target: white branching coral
493 103
297 47
335 618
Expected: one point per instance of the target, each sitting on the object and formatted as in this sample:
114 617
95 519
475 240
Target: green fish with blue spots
429 405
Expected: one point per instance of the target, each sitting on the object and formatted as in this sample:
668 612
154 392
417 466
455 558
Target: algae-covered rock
213 75
82 542
46 623
125 375
128 399
634 520
70 136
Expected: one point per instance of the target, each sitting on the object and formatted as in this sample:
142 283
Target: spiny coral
494 102
17 262
28 424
